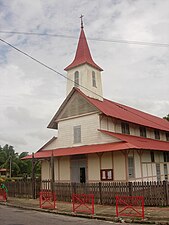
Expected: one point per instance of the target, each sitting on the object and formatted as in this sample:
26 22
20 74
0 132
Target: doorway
78 169
82 175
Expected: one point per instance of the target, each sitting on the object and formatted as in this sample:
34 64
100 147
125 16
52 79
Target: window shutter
77 134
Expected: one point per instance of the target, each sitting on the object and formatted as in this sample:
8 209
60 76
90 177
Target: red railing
132 206
47 200
83 203
3 196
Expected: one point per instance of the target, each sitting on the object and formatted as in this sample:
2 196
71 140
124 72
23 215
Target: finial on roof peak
81 17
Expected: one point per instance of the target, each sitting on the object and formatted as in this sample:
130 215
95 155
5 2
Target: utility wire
55 71
155 44
46 66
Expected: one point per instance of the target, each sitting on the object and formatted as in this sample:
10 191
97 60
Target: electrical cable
143 43
46 66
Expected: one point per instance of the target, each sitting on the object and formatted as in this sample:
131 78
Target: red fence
83 203
3 196
47 200
132 206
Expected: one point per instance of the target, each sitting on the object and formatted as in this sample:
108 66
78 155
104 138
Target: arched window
93 79
76 78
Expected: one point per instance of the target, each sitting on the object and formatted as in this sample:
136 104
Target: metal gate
47 200
3 196
132 206
83 203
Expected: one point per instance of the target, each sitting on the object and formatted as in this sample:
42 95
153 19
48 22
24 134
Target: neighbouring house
4 173
100 140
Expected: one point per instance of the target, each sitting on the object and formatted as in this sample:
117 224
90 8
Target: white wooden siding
85 79
93 168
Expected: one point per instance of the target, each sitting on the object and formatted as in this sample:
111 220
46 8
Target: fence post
100 192
74 187
52 172
33 176
130 188
166 194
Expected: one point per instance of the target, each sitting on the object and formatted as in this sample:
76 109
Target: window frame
157 134
125 128
166 156
106 171
132 174
94 79
77 134
143 131
167 136
76 79
152 156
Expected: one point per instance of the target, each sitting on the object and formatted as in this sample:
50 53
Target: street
15 216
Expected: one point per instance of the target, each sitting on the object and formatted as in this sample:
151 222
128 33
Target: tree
166 117
12 161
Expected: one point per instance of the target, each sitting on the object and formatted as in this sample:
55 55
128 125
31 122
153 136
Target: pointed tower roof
83 54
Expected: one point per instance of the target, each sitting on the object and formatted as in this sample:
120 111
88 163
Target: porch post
52 172
33 176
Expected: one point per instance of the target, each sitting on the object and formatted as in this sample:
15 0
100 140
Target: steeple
83 53
85 73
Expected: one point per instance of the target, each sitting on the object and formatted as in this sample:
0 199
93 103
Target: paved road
15 216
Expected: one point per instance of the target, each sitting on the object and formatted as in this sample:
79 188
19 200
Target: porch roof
87 149
140 142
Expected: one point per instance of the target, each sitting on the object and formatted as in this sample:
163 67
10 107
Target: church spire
83 73
83 55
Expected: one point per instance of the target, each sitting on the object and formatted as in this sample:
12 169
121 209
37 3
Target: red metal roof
140 142
83 54
87 149
126 113
127 142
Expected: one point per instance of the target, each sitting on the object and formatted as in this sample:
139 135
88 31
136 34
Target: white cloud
30 94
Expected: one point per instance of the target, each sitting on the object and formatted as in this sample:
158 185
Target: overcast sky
135 75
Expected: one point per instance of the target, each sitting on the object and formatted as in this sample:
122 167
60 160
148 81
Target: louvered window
93 79
158 172
157 134
165 172
76 78
125 128
131 172
167 136
166 156
77 134
143 132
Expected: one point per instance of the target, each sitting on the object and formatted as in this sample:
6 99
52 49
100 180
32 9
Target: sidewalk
153 215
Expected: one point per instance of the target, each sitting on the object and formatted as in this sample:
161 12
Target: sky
136 75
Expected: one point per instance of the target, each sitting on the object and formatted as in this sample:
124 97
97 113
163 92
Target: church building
100 140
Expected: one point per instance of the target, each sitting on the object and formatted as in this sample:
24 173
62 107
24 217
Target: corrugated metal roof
87 149
140 142
83 54
126 113
127 142
118 111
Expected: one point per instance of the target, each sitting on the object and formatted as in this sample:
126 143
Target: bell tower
85 73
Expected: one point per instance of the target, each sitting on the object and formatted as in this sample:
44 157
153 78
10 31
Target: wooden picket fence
154 193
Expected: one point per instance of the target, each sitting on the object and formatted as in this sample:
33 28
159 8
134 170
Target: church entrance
78 168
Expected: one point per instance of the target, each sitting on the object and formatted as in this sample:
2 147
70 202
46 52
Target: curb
96 217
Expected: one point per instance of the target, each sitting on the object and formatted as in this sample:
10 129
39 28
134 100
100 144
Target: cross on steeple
81 17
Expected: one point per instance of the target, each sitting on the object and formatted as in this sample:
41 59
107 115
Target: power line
46 66
153 44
